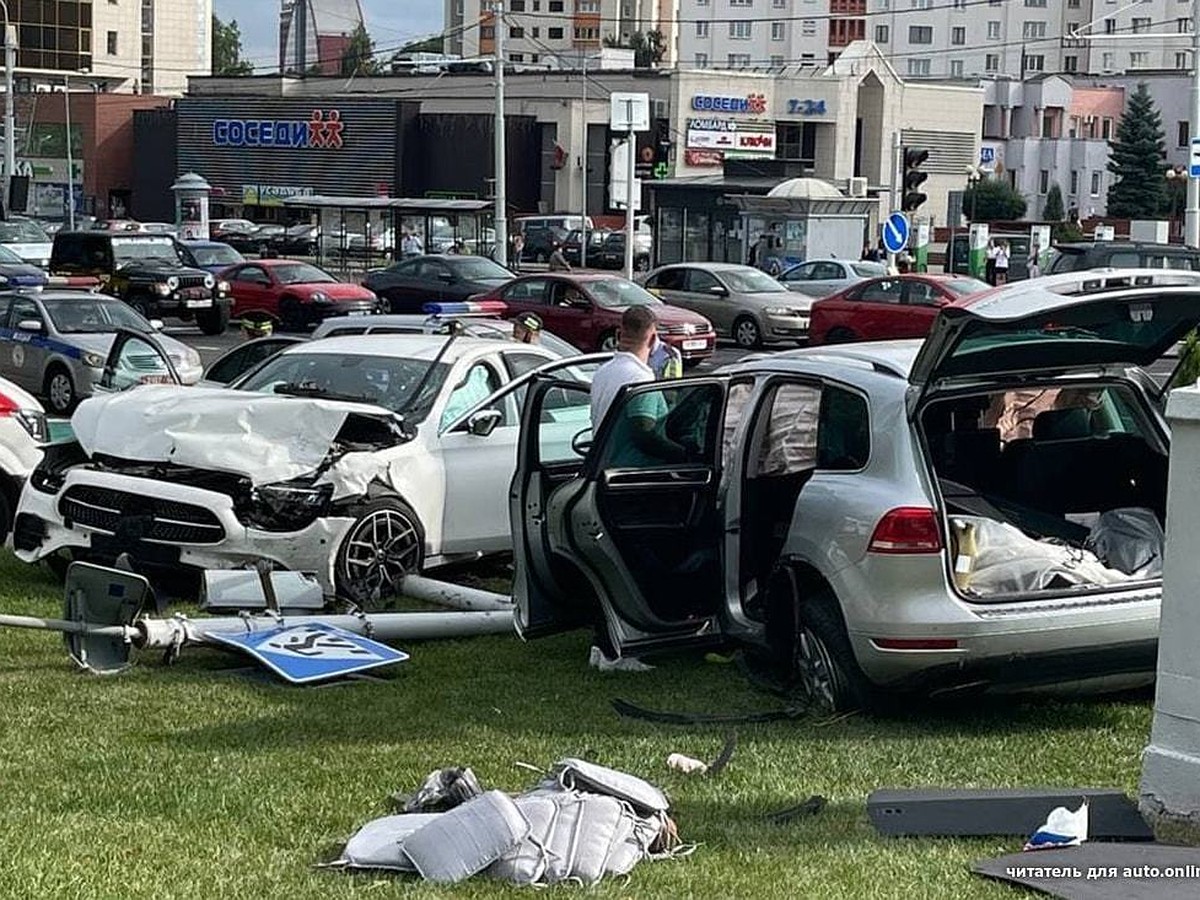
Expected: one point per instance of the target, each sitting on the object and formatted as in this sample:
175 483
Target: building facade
539 31
329 26
1049 131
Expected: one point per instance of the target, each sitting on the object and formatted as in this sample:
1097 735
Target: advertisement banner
749 138
979 242
271 194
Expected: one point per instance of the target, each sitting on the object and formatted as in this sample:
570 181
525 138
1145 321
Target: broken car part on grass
103 622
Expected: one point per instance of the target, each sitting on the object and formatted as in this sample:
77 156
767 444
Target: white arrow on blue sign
310 652
895 232
1194 159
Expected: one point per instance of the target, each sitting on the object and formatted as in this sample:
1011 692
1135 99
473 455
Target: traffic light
911 197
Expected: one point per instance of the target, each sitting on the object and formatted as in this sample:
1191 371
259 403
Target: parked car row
870 518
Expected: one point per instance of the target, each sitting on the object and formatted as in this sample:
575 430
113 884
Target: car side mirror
718 291
484 422
157 324
31 325
582 442
447 277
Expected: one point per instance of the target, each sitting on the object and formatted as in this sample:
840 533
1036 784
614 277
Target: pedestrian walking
989 272
518 251
1035 261
411 244
1002 263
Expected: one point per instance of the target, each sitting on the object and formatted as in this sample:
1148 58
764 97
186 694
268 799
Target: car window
520 361
920 293
826 271
26 311
843 431
666 280
241 360
786 438
481 381
802 272
885 291
431 269
1122 259
137 362
565 413
532 291
251 275
699 281
665 426
869 269
408 268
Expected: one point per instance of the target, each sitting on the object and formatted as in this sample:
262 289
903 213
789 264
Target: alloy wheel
60 392
815 673
608 343
381 549
745 333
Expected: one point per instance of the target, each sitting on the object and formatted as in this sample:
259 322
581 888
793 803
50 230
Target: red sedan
294 293
887 308
585 309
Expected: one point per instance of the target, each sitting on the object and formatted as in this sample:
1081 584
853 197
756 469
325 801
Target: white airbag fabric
582 775
377 844
1131 540
265 437
467 839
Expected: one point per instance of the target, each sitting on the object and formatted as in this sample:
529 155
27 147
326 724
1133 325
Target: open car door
134 359
634 520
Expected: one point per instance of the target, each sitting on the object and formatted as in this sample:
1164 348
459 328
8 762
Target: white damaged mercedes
359 459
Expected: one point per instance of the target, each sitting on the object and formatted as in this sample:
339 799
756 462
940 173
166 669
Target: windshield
127 249
92 315
479 269
868 269
301 273
216 256
22 231
617 292
965 286
751 281
8 258
386 381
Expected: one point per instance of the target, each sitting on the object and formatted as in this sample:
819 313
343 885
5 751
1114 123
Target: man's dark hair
636 323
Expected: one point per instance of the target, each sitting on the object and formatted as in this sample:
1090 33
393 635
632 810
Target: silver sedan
742 302
823 277
56 343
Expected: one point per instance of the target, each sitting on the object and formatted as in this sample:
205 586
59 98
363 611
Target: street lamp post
1176 175
70 157
974 176
10 125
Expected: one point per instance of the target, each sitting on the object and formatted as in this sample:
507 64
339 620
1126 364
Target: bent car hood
265 437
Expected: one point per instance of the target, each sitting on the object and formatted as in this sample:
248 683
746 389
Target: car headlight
209 281
287 507
777 311
47 481
162 289
319 297
172 283
34 423
223 287
191 357
94 360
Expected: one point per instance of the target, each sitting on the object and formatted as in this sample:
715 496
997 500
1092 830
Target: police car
54 343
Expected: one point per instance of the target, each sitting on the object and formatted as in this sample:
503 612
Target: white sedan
823 277
358 459
22 433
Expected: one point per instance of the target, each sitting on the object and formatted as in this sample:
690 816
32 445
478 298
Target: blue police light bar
465 307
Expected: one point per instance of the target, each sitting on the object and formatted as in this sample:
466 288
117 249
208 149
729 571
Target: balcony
848 7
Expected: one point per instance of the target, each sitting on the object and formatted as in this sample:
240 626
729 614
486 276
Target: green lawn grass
193 782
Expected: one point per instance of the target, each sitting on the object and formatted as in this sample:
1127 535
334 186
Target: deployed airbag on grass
581 823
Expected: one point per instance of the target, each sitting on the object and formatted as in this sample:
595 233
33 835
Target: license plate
199 304
698 344
358 312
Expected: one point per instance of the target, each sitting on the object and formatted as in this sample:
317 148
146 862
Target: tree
359 56
1053 210
648 49
993 200
227 50
1136 159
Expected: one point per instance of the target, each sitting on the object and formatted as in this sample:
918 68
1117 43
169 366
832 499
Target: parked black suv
148 272
1122 254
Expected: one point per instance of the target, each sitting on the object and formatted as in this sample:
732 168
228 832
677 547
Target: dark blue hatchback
16 273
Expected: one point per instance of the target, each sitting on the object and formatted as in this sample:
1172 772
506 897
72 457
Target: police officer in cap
527 328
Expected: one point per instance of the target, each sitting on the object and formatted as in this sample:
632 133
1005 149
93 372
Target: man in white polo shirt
630 363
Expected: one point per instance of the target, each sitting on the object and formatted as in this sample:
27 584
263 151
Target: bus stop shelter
355 232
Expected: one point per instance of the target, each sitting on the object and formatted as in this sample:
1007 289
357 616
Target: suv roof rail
1095 281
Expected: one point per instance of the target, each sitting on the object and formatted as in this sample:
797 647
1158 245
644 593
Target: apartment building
1150 34
1050 130
555 32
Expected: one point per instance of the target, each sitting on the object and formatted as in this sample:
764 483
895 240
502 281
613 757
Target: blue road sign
987 155
310 652
1194 159
895 232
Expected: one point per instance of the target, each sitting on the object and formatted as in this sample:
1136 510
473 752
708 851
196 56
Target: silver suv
981 509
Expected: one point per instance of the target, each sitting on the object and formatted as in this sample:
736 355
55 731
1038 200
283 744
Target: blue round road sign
895 232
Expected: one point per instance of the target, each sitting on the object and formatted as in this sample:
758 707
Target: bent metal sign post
322 130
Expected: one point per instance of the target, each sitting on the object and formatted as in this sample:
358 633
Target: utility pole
583 242
1191 218
70 156
10 119
300 31
500 225
631 176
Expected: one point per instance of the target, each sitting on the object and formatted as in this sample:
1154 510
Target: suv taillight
907 529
